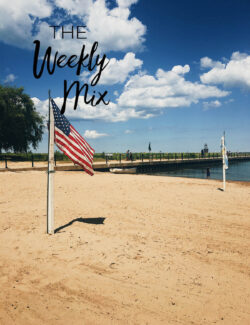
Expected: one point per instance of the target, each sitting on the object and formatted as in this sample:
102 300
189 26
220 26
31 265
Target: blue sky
178 75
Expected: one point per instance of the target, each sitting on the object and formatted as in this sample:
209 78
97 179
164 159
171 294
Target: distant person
127 155
208 172
131 156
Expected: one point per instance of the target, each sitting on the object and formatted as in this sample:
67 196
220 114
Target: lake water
237 171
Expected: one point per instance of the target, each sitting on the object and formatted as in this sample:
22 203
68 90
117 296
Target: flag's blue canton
60 120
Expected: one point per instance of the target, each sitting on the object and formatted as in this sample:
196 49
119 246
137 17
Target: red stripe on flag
83 151
73 144
62 139
66 151
85 142
82 141
73 152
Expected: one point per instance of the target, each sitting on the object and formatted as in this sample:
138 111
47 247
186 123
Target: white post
224 177
223 161
51 164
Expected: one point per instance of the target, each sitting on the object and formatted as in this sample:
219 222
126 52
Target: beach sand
134 249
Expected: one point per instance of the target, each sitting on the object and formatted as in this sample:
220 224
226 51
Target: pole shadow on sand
93 221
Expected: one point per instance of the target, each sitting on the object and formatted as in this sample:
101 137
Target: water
237 171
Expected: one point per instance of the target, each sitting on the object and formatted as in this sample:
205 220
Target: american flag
71 143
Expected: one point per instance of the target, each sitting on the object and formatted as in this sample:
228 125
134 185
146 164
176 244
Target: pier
164 165
143 166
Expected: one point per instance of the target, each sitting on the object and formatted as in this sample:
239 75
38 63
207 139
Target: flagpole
223 164
224 178
51 170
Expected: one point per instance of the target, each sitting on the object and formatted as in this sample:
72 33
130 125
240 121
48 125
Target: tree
21 126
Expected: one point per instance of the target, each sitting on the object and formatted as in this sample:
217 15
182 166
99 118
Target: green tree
21 126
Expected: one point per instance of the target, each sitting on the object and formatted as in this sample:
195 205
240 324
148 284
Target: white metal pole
223 162
224 177
51 170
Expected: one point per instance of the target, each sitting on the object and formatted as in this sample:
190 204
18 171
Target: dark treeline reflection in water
237 171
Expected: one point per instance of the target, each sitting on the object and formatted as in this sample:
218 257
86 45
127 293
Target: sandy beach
129 249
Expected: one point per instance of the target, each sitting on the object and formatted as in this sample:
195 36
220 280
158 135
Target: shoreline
26 166
15 166
205 179
246 183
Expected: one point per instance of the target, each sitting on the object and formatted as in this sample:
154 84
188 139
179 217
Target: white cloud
128 131
17 18
112 28
206 62
112 112
84 76
212 104
145 96
10 78
178 69
75 7
165 89
117 71
235 73
126 3
93 134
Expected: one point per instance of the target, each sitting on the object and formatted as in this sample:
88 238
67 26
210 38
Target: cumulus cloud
10 78
23 21
75 7
144 96
126 3
113 28
112 112
17 19
117 71
178 69
212 104
206 62
165 89
93 134
234 73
